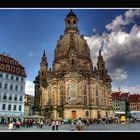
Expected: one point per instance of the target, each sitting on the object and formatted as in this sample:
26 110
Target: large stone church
73 88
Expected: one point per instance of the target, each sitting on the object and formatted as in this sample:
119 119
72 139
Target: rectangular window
9 107
15 98
97 101
16 78
4 97
10 97
20 108
5 86
12 77
0 85
21 79
11 87
2 66
18 70
1 75
20 99
16 88
8 67
3 106
21 88
6 76
15 107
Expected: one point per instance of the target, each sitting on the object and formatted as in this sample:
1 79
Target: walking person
53 125
57 124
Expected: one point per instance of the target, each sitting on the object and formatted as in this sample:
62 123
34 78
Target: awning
34 116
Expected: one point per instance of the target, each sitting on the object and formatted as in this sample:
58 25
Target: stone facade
72 88
28 105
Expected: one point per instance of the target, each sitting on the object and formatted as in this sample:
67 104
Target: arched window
96 91
74 23
68 23
73 91
98 114
61 94
87 113
97 101
49 96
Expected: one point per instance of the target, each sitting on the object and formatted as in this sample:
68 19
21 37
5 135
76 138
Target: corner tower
43 66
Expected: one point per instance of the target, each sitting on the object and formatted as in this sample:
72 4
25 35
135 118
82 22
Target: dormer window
12 61
7 60
13 69
18 70
7 67
1 58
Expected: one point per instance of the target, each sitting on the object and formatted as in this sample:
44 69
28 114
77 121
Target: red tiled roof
134 98
10 65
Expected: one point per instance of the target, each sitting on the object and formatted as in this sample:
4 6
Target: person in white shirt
10 126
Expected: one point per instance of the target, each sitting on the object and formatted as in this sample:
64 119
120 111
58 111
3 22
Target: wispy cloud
31 54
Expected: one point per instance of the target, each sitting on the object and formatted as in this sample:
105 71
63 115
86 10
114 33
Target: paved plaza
66 128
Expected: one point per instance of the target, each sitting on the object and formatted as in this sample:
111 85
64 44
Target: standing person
79 124
57 123
10 126
72 126
41 124
53 125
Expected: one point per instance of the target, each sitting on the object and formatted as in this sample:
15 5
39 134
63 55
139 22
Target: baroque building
12 87
72 88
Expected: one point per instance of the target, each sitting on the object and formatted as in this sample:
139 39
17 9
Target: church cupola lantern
71 22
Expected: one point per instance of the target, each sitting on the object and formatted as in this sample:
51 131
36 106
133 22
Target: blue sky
25 33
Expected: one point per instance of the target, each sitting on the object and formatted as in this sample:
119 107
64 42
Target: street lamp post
126 108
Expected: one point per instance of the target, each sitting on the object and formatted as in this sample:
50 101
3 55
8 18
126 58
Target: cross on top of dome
71 13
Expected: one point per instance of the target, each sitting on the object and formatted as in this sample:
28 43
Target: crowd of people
75 124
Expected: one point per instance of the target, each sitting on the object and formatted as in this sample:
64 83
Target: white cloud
116 24
119 75
29 88
130 89
120 48
123 20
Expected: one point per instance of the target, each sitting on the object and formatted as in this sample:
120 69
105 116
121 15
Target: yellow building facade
73 88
